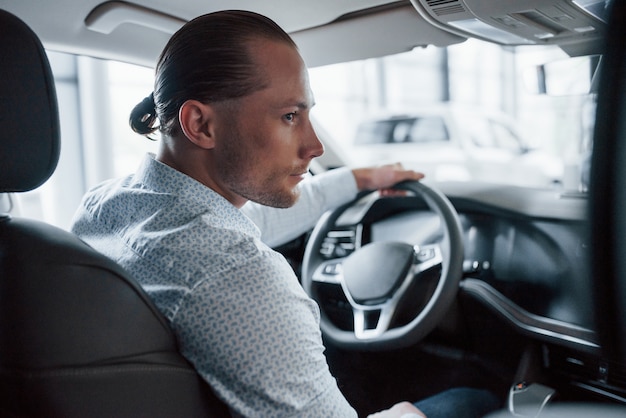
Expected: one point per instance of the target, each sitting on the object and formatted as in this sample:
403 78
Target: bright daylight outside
457 114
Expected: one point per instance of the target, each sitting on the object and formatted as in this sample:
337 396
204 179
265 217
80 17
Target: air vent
575 365
589 370
617 375
445 7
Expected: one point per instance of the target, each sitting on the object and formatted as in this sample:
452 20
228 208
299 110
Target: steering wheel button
331 269
425 254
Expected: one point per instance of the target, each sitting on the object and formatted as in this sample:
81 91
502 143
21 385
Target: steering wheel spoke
372 322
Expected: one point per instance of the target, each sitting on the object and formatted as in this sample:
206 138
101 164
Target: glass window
95 99
468 104
128 85
428 129
453 101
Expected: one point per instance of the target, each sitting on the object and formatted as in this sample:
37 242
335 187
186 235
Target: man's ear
197 121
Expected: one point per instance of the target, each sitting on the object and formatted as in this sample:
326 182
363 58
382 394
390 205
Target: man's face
265 141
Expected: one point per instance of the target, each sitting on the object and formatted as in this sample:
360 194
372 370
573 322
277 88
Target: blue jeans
459 403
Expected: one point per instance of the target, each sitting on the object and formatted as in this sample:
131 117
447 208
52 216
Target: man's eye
289 117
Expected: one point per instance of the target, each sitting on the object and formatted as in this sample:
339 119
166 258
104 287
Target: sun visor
361 36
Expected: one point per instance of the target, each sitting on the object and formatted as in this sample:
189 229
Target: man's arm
317 195
320 194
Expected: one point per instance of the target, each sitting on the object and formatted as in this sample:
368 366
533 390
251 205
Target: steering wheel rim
424 322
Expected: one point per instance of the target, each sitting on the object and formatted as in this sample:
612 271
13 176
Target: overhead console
577 26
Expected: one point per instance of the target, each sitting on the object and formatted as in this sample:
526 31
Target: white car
450 143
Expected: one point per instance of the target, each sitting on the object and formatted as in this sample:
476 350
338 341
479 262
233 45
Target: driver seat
78 336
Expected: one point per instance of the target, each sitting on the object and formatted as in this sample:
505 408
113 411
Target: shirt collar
197 197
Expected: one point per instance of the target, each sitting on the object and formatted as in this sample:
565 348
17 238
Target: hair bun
143 117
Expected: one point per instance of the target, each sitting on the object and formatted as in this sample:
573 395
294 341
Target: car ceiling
137 31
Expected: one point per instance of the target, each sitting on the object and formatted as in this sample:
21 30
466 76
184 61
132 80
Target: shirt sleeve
256 339
318 194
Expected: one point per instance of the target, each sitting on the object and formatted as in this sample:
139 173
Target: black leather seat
78 336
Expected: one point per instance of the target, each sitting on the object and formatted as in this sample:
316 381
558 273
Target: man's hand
399 410
383 177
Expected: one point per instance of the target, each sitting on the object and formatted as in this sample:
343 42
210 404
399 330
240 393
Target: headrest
29 116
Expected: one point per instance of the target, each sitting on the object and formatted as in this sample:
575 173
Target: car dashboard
526 269
529 264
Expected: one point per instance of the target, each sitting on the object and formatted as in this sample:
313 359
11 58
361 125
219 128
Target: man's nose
312 145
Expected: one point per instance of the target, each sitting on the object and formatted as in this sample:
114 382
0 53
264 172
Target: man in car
232 102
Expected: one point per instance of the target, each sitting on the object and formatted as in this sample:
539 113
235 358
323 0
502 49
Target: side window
401 133
387 131
479 132
491 133
128 85
505 138
95 98
429 129
373 133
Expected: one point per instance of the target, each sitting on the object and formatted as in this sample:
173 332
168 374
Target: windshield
461 113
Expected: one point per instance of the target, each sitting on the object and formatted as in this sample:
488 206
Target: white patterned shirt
238 311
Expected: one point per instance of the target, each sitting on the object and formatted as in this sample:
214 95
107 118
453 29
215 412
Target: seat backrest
78 336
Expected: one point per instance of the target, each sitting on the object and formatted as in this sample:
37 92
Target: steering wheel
384 294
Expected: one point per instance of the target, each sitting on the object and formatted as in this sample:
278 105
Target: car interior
79 336
452 284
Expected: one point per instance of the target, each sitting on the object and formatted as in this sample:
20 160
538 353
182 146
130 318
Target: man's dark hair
209 59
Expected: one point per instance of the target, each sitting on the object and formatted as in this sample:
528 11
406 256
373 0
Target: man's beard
233 164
